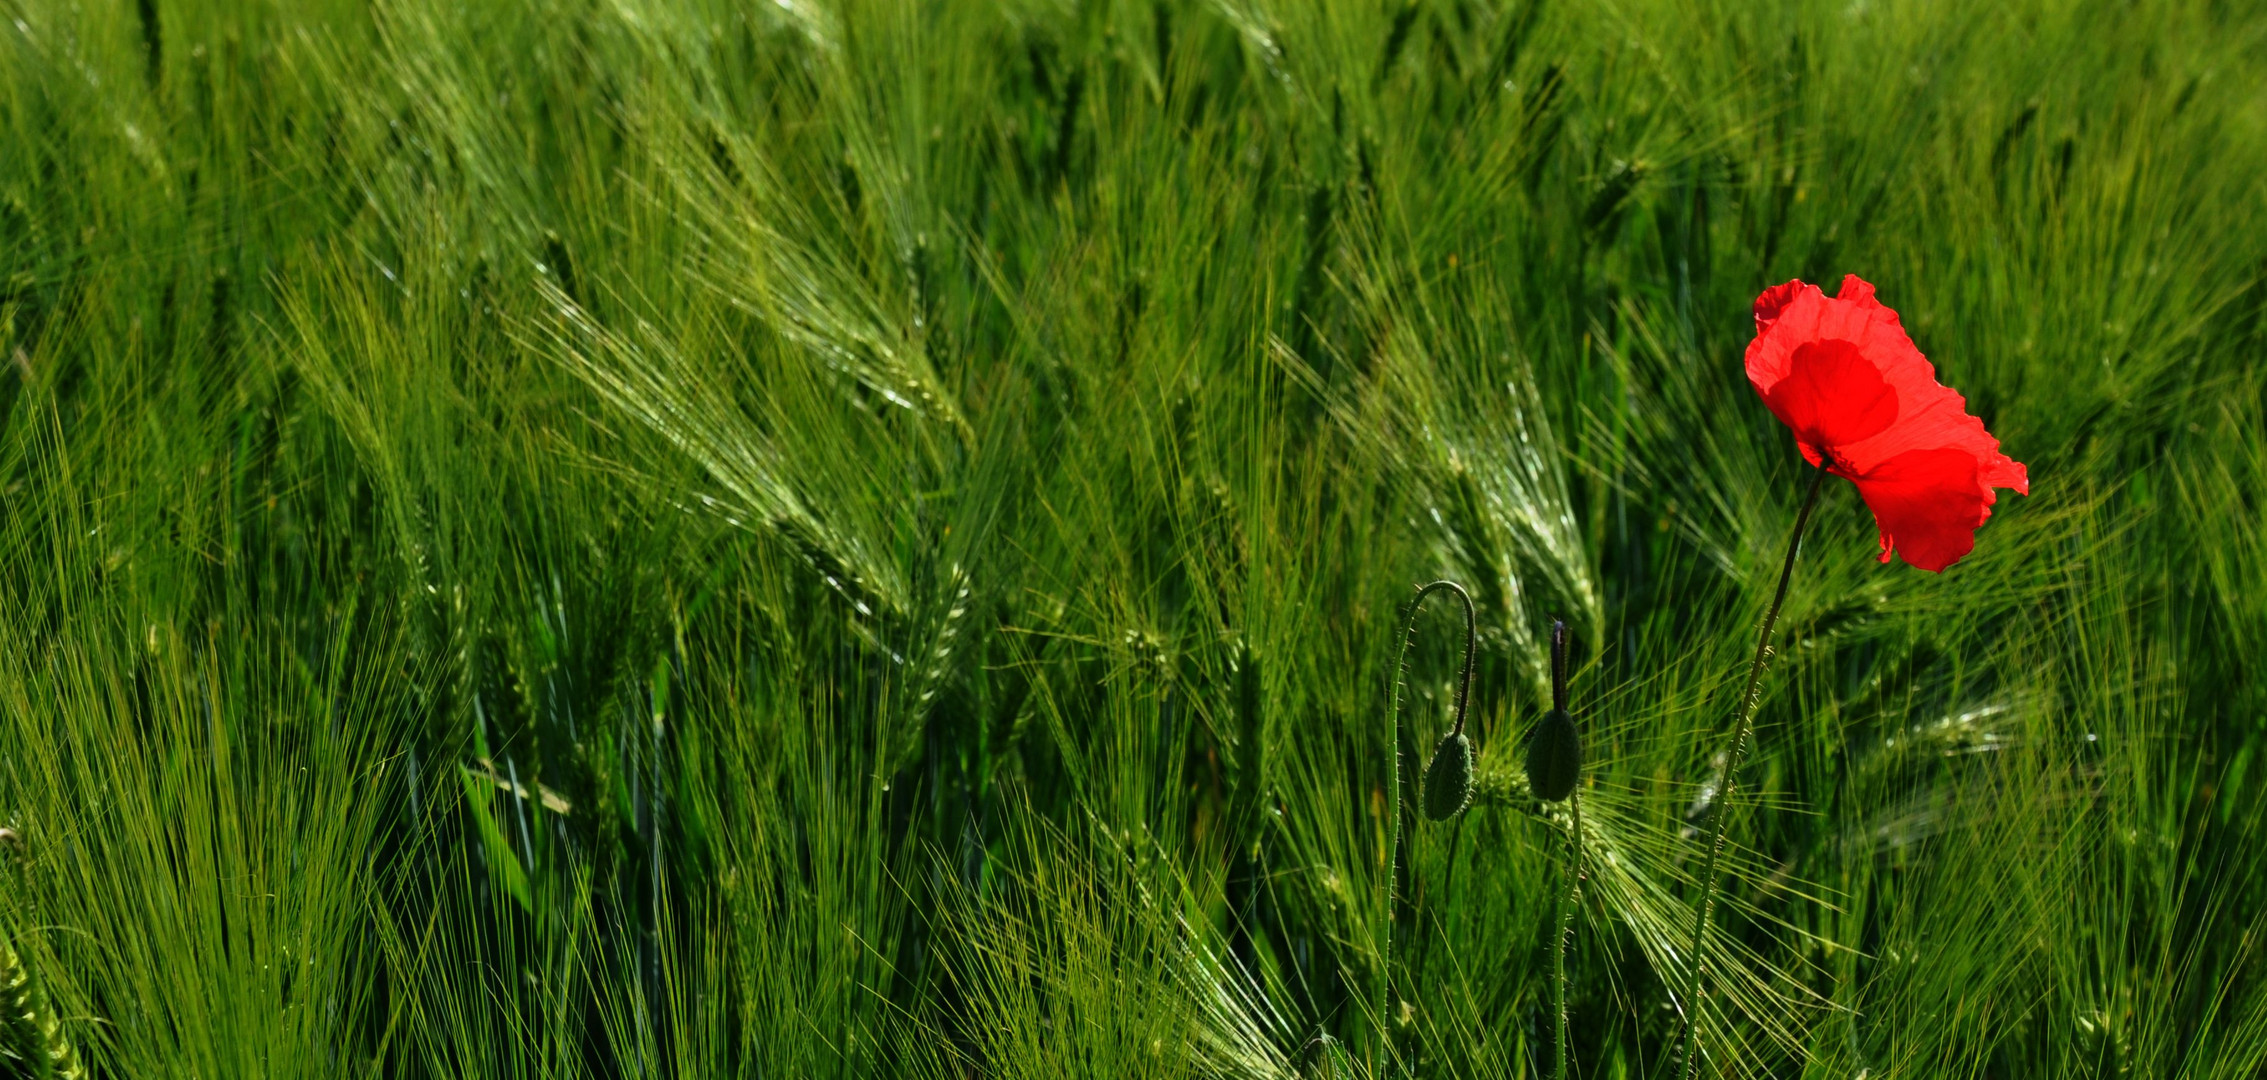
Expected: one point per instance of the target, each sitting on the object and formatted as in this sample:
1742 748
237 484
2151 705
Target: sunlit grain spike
29 1033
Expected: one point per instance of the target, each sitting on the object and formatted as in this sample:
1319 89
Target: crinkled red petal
1928 505
1773 300
1806 362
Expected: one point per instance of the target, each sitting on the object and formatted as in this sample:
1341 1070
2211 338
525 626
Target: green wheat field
781 539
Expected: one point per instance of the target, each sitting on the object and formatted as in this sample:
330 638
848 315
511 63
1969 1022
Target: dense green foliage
602 538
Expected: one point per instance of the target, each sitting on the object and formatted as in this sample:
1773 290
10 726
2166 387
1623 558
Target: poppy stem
1568 901
1721 814
1571 896
1382 995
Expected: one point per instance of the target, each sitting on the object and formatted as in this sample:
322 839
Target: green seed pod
1554 757
1448 780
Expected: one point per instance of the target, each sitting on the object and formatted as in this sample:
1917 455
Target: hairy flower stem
1382 992
1722 813
1571 896
1567 903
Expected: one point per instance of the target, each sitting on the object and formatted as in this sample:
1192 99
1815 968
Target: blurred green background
612 539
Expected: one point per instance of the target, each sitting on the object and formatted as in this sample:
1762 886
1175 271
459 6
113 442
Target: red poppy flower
1859 396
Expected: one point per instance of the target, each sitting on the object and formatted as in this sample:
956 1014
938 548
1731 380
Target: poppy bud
1554 757
1448 780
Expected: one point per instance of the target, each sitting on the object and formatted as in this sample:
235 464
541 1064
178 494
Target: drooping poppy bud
1448 780
1448 777
1554 751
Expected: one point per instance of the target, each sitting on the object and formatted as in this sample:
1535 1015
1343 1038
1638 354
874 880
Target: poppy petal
1775 299
1832 397
1801 315
1857 290
1928 504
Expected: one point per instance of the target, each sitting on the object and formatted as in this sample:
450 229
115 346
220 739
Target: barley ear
29 1032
